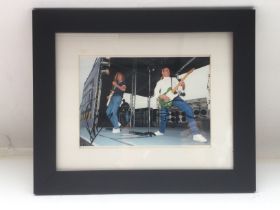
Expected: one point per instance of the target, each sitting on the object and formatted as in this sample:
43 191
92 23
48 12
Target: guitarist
161 88
115 98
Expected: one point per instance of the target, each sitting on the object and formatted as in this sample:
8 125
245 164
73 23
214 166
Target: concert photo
144 101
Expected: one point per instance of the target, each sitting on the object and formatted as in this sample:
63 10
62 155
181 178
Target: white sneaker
199 138
119 124
158 133
116 130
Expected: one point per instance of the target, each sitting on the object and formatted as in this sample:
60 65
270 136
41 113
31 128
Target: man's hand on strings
114 83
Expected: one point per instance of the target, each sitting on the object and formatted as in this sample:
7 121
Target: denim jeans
184 107
112 110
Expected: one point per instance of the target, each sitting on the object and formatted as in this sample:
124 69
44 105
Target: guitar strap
171 82
114 87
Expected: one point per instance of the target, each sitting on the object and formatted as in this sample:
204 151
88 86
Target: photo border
69 46
47 22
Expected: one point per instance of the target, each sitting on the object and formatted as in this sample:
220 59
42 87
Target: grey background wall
16 64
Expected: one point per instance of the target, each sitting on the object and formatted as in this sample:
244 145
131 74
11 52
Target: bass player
170 85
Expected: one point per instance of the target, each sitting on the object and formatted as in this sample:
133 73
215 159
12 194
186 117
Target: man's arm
121 87
157 92
181 83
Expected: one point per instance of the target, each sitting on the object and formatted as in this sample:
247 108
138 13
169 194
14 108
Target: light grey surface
16 64
137 137
16 192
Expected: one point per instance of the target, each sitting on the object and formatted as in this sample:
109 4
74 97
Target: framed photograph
144 100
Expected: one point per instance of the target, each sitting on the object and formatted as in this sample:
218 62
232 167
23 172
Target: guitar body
167 104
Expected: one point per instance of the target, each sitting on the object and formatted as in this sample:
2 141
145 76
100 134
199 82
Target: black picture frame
239 21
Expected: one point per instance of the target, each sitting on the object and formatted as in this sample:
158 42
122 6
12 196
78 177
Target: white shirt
163 84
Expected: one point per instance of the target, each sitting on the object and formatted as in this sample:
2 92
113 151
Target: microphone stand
148 133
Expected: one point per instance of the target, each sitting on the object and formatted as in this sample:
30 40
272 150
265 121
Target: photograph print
144 101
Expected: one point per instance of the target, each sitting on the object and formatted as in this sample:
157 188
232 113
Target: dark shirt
117 91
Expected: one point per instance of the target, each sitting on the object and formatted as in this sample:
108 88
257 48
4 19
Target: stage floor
127 137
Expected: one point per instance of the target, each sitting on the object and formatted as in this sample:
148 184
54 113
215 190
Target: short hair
165 66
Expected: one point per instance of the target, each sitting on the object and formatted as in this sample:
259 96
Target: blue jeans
184 107
112 110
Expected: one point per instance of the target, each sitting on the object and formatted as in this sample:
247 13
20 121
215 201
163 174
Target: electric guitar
171 93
